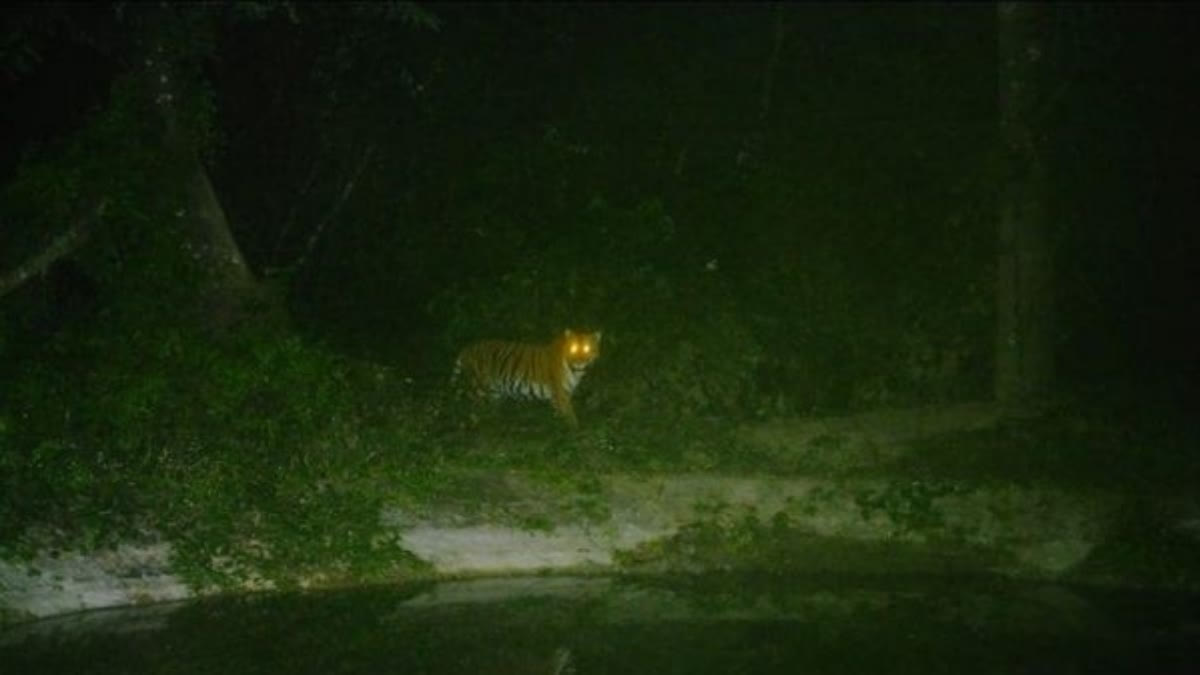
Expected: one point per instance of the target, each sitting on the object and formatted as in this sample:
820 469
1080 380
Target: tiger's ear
599 334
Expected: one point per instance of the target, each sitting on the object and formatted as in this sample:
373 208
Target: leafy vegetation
404 191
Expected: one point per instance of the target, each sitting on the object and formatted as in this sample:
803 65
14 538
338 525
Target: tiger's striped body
548 372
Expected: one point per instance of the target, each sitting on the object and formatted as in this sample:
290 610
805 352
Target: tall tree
137 172
172 37
136 162
1024 284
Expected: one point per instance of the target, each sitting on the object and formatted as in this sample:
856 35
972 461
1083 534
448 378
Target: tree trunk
231 289
1024 285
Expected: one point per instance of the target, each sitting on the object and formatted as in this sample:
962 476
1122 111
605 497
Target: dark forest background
770 210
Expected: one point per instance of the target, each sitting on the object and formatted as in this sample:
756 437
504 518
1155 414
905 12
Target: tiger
548 372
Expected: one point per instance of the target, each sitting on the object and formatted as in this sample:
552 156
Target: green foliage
135 248
255 449
832 253
675 340
866 289
819 276
218 441
796 327
910 505
843 265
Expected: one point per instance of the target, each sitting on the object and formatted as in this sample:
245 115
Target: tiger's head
580 349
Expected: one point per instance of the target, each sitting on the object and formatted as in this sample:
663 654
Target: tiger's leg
562 403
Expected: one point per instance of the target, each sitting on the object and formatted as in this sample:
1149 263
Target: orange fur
549 372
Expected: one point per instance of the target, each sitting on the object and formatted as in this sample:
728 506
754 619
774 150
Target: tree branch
347 189
61 246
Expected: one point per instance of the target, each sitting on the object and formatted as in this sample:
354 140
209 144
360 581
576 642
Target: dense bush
255 436
696 330
675 343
